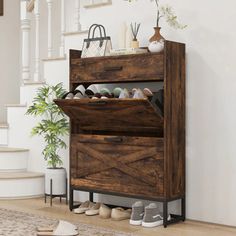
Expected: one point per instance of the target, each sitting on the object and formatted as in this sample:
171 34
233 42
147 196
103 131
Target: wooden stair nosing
20 175
11 149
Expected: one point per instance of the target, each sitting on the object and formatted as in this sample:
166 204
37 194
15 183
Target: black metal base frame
174 218
55 195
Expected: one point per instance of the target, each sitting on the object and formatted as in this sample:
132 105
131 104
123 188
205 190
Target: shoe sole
152 224
135 222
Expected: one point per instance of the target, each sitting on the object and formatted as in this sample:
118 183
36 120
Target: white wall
211 84
9 55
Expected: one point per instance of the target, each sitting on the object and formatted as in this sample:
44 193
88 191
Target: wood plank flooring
61 211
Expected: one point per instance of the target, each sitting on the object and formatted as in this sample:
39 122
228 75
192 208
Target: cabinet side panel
174 123
1 7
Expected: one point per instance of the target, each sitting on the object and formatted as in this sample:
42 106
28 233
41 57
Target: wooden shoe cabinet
126 147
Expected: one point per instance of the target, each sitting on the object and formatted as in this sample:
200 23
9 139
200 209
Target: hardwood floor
61 211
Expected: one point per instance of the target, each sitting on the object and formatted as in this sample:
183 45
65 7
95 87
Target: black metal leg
50 192
183 208
91 196
165 213
45 198
71 200
66 192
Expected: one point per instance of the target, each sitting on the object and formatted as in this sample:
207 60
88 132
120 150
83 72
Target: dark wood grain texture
174 119
114 114
127 165
1 7
128 68
124 146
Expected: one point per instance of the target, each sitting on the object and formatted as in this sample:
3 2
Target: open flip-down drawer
117 115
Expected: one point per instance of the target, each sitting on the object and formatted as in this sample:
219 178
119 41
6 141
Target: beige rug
15 223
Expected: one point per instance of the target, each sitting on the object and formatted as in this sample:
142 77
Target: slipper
63 228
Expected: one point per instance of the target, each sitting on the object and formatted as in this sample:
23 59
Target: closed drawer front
143 67
118 164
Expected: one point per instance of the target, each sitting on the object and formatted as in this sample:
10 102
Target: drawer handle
114 139
113 68
97 103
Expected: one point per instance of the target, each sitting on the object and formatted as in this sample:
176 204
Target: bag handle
103 29
89 33
100 27
90 29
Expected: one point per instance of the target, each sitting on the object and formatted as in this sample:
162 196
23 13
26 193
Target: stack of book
127 51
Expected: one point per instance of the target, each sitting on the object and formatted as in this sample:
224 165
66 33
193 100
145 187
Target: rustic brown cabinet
125 146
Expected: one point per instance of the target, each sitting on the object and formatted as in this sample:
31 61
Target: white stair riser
21 188
3 136
13 161
27 93
74 41
56 71
21 125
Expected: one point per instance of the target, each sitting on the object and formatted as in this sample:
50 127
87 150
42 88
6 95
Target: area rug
15 223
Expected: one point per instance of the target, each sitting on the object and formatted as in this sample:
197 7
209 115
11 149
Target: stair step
20 185
13 159
31 82
3 134
76 33
15 105
54 59
20 175
74 40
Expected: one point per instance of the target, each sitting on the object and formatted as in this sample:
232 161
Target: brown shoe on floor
119 213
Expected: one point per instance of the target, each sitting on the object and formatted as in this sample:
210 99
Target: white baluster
62 47
25 27
37 60
77 16
49 2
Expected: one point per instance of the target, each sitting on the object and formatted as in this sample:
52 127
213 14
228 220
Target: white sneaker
83 207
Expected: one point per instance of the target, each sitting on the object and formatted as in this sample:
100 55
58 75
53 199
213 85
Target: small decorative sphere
156 46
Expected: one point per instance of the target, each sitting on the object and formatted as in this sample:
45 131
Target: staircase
21 162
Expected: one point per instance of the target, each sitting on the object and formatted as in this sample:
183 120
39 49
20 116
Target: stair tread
31 82
76 33
4 125
16 105
20 175
11 149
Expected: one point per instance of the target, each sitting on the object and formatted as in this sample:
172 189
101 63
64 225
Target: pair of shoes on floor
117 213
89 208
63 228
148 216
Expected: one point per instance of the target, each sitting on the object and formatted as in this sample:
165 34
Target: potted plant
52 127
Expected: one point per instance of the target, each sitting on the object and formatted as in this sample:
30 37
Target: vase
58 177
156 41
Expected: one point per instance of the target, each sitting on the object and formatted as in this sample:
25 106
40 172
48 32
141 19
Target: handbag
96 46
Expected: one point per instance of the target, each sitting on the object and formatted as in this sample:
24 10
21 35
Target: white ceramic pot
156 46
58 177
